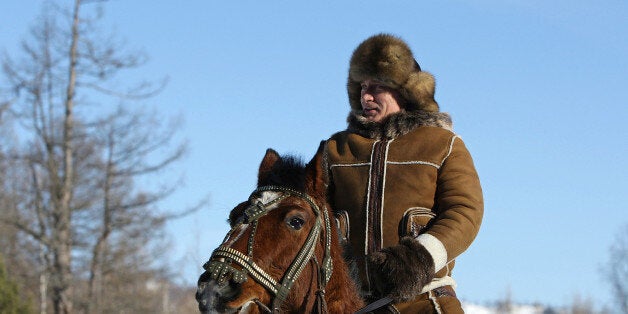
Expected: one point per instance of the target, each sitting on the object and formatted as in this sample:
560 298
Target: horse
282 254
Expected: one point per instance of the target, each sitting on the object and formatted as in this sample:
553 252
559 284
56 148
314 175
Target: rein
221 260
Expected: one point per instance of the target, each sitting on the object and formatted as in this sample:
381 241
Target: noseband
222 259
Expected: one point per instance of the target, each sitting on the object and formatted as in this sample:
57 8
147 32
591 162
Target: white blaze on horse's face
265 198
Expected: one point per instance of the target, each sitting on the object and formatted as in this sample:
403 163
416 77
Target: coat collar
396 124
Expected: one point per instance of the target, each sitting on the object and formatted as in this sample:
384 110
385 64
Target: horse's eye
296 223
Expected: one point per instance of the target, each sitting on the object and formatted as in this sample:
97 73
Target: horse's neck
341 292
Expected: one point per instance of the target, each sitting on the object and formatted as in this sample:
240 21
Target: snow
470 308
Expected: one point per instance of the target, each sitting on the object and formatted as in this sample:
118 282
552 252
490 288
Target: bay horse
282 254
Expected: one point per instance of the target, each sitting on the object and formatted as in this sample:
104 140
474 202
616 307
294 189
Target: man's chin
371 115
372 118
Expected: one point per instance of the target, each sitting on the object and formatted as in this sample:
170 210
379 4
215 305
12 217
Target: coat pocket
414 221
342 221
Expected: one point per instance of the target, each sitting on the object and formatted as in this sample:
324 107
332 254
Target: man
401 182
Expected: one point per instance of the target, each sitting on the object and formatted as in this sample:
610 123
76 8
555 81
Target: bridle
222 259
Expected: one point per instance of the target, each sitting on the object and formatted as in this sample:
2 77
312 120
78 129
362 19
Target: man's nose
367 96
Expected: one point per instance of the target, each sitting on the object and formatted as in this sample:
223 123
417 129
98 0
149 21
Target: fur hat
388 59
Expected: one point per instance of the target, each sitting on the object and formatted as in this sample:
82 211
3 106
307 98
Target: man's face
379 101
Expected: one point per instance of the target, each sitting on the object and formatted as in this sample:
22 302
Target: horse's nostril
206 296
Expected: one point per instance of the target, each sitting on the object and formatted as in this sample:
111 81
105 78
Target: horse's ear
270 158
314 170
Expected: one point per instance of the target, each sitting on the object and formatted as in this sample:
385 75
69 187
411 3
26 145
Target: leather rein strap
375 305
221 259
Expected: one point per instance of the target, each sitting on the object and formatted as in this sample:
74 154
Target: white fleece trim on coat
439 282
368 200
436 248
383 196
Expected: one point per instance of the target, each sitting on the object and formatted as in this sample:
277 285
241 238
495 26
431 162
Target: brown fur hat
388 59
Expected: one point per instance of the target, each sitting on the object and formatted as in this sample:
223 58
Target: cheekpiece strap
328 266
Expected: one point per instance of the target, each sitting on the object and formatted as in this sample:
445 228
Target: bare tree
506 305
616 269
126 140
75 195
20 255
581 305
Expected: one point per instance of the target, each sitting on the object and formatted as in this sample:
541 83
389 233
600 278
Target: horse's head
278 253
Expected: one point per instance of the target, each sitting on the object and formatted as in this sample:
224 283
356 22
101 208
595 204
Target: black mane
288 171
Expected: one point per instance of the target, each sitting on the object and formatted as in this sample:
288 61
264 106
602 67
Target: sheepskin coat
411 175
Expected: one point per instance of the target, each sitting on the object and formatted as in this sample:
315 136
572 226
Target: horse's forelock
288 171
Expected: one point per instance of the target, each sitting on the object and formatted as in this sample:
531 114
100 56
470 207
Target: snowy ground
516 309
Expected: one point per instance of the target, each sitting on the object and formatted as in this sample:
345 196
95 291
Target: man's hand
401 271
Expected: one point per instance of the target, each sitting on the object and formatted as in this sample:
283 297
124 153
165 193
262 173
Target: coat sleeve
459 206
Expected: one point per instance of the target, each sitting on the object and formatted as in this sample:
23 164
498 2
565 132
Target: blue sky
537 89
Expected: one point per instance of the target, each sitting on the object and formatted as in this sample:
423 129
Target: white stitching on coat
351 165
416 162
451 147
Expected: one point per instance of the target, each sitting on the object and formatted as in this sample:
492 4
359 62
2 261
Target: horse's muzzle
212 296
